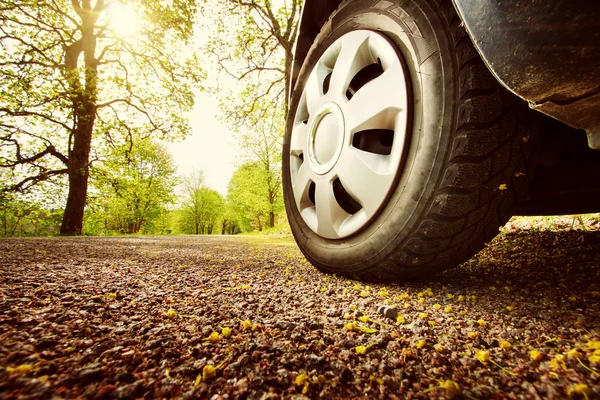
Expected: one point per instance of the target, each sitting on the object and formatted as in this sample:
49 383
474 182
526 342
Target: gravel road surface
233 317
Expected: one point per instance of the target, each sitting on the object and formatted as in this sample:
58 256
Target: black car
416 128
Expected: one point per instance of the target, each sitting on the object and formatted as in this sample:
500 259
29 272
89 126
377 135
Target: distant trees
73 85
202 209
25 217
262 150
252 45
133 187
250 195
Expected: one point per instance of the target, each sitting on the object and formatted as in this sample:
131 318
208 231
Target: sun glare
123 20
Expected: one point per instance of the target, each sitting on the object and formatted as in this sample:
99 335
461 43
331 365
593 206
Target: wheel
402 154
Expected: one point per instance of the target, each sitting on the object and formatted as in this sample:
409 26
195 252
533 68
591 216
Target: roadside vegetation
93 91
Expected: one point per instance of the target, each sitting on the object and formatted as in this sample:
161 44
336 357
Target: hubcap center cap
326 138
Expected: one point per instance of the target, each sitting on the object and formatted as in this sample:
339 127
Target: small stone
128 391
388 312
91 374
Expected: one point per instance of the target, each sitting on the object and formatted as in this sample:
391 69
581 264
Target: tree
213 204
253 44
191 207
248 191
230 220
74 84
263 149
201 206
134 186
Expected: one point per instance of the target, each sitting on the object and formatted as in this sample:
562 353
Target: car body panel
546 52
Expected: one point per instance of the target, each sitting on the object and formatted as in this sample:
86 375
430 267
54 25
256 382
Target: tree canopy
252 44
248 192
73 85
201 207
133 187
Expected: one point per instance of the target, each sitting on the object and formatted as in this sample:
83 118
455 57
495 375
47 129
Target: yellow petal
300 379
579 388
574 353
452 388
208 372
504 345
350 326
482 355
535 355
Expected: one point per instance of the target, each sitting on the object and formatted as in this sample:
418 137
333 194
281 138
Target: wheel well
314 15
567 177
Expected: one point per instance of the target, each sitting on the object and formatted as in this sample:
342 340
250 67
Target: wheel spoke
377 103
351 59
329 214
366 177
314 87
300 185
298 141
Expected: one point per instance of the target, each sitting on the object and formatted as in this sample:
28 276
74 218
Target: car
417 128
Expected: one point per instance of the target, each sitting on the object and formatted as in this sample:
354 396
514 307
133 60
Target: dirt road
222 317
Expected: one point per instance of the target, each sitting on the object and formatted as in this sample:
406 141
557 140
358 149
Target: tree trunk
72 223
260 227
84 97
271 219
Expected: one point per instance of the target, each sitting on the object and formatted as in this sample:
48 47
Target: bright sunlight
124 20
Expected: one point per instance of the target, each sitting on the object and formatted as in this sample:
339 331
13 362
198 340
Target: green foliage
202 208
251 43
132 189
22 217
252 48
73 86
248 192
231 220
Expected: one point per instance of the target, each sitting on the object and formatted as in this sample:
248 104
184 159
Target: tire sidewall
417 30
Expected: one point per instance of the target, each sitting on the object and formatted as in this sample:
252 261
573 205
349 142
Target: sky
209 148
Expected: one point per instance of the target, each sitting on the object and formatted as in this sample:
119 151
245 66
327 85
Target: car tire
402 155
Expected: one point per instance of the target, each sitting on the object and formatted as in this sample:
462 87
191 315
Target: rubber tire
468 161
